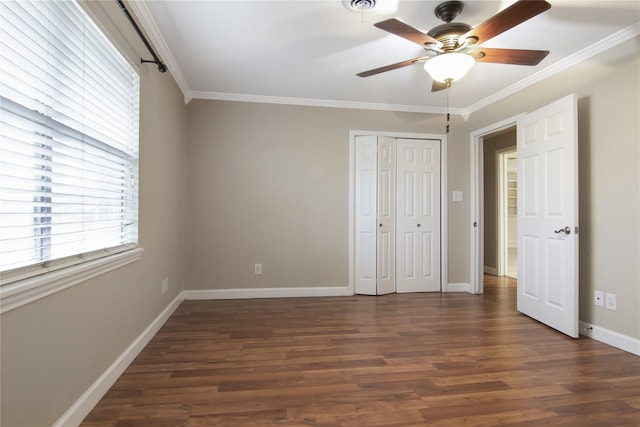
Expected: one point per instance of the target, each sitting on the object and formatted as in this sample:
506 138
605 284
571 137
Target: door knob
566 230
418 225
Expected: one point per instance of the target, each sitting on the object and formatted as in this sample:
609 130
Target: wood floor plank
394 360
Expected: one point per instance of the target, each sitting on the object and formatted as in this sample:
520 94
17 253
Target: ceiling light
448 67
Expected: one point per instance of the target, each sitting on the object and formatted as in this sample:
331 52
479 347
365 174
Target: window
69 140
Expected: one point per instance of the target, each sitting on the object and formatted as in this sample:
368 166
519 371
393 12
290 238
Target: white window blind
69 140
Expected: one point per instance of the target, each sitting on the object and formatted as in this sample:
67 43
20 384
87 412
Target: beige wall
490 147
608 92
269 184
52 350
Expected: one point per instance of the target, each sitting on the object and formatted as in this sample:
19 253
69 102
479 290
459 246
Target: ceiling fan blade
406 31
392 66
514 15
508 56
436 86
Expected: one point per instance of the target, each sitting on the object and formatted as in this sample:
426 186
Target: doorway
507 173
500 203
479 216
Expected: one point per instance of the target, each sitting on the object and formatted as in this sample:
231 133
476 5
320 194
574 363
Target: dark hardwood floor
394 360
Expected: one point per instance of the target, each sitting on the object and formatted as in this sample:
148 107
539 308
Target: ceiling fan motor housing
449 34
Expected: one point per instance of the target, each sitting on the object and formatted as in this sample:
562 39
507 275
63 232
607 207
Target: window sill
26 291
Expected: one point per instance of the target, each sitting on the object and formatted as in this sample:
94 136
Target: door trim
444 247
476 202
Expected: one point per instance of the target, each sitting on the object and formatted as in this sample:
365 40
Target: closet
397 215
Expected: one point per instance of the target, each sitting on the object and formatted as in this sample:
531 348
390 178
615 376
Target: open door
548 215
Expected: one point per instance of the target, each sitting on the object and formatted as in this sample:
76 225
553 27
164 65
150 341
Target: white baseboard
457 287
491 270
322 291
81 407
614 339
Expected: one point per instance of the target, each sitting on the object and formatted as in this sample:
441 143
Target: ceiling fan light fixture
448 67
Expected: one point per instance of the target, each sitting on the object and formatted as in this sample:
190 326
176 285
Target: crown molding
568 62
149 25
220 96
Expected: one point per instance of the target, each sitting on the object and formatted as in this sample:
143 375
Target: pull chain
448 115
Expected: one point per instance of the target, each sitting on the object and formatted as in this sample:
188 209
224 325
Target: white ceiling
308 52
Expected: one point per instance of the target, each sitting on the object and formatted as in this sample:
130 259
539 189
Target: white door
366 196
375 182
418 216
548 215
386 282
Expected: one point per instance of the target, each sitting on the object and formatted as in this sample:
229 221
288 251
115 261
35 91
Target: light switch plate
610 301
457 196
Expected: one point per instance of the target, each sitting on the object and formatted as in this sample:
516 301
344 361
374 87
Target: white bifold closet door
397 215
375 215
418 216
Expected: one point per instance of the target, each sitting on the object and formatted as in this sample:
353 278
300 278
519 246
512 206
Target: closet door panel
418 214
386 193
366 198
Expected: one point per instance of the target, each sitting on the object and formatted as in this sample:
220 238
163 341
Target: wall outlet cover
598 298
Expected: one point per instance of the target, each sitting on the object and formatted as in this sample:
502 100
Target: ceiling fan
453 47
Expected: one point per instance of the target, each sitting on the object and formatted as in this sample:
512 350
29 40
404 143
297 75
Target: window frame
22 292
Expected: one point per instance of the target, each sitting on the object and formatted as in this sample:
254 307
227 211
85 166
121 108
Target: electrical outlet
598 298
257 269
610 301
165 285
